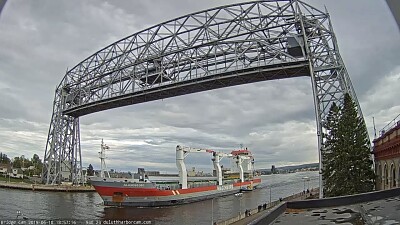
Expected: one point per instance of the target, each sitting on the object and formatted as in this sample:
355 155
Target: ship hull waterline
132 195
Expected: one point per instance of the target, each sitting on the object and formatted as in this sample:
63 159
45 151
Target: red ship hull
117 193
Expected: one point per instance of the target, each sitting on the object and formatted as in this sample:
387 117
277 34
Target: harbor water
82 206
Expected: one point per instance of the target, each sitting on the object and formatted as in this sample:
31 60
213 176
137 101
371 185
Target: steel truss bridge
215 48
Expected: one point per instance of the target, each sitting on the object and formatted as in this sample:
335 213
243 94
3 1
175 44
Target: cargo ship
154 191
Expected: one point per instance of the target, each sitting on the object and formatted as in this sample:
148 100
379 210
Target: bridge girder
215 48
201 45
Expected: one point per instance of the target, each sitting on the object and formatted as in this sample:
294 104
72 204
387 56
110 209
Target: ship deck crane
239 161
216 160
181 153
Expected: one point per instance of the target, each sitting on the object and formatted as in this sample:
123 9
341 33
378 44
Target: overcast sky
40 40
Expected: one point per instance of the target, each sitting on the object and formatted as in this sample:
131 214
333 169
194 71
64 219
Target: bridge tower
63 158
215 48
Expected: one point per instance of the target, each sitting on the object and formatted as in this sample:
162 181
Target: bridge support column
63 158
329 78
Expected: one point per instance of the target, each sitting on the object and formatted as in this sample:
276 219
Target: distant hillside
296 167
303 166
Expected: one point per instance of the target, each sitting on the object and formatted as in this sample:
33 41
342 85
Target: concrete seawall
344 200
273 209
42 187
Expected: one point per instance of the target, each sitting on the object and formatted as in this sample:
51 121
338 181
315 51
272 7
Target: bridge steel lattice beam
215 48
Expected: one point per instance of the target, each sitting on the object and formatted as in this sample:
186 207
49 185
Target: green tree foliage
35 159
17 162
90 171
331 152
346 155
4 158
37 163
22 162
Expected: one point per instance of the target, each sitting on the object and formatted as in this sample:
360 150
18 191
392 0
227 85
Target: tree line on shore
22 162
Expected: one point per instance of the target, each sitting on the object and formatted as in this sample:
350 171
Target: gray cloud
274 119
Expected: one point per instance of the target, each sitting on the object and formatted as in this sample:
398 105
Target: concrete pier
42 187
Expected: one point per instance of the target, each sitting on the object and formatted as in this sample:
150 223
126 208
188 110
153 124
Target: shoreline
43 187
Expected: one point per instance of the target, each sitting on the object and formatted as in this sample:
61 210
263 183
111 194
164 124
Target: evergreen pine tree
356 148
90 171
330 150
346 154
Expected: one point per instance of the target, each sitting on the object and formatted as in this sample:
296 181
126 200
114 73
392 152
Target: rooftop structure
379 207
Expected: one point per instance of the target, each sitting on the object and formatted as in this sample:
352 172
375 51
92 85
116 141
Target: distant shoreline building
273 169
387 156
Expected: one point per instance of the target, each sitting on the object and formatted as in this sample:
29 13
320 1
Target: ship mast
102 156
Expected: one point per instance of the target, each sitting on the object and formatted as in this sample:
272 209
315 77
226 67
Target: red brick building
387 156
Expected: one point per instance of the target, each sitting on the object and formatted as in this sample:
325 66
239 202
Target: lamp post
23 159
270 194
308 181
212 211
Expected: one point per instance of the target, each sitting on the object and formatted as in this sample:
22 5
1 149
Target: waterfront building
4 168
224 170
152 173
16 173
126 175
192 173
273 169
387 156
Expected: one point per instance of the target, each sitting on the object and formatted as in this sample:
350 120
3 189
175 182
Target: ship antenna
102 156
